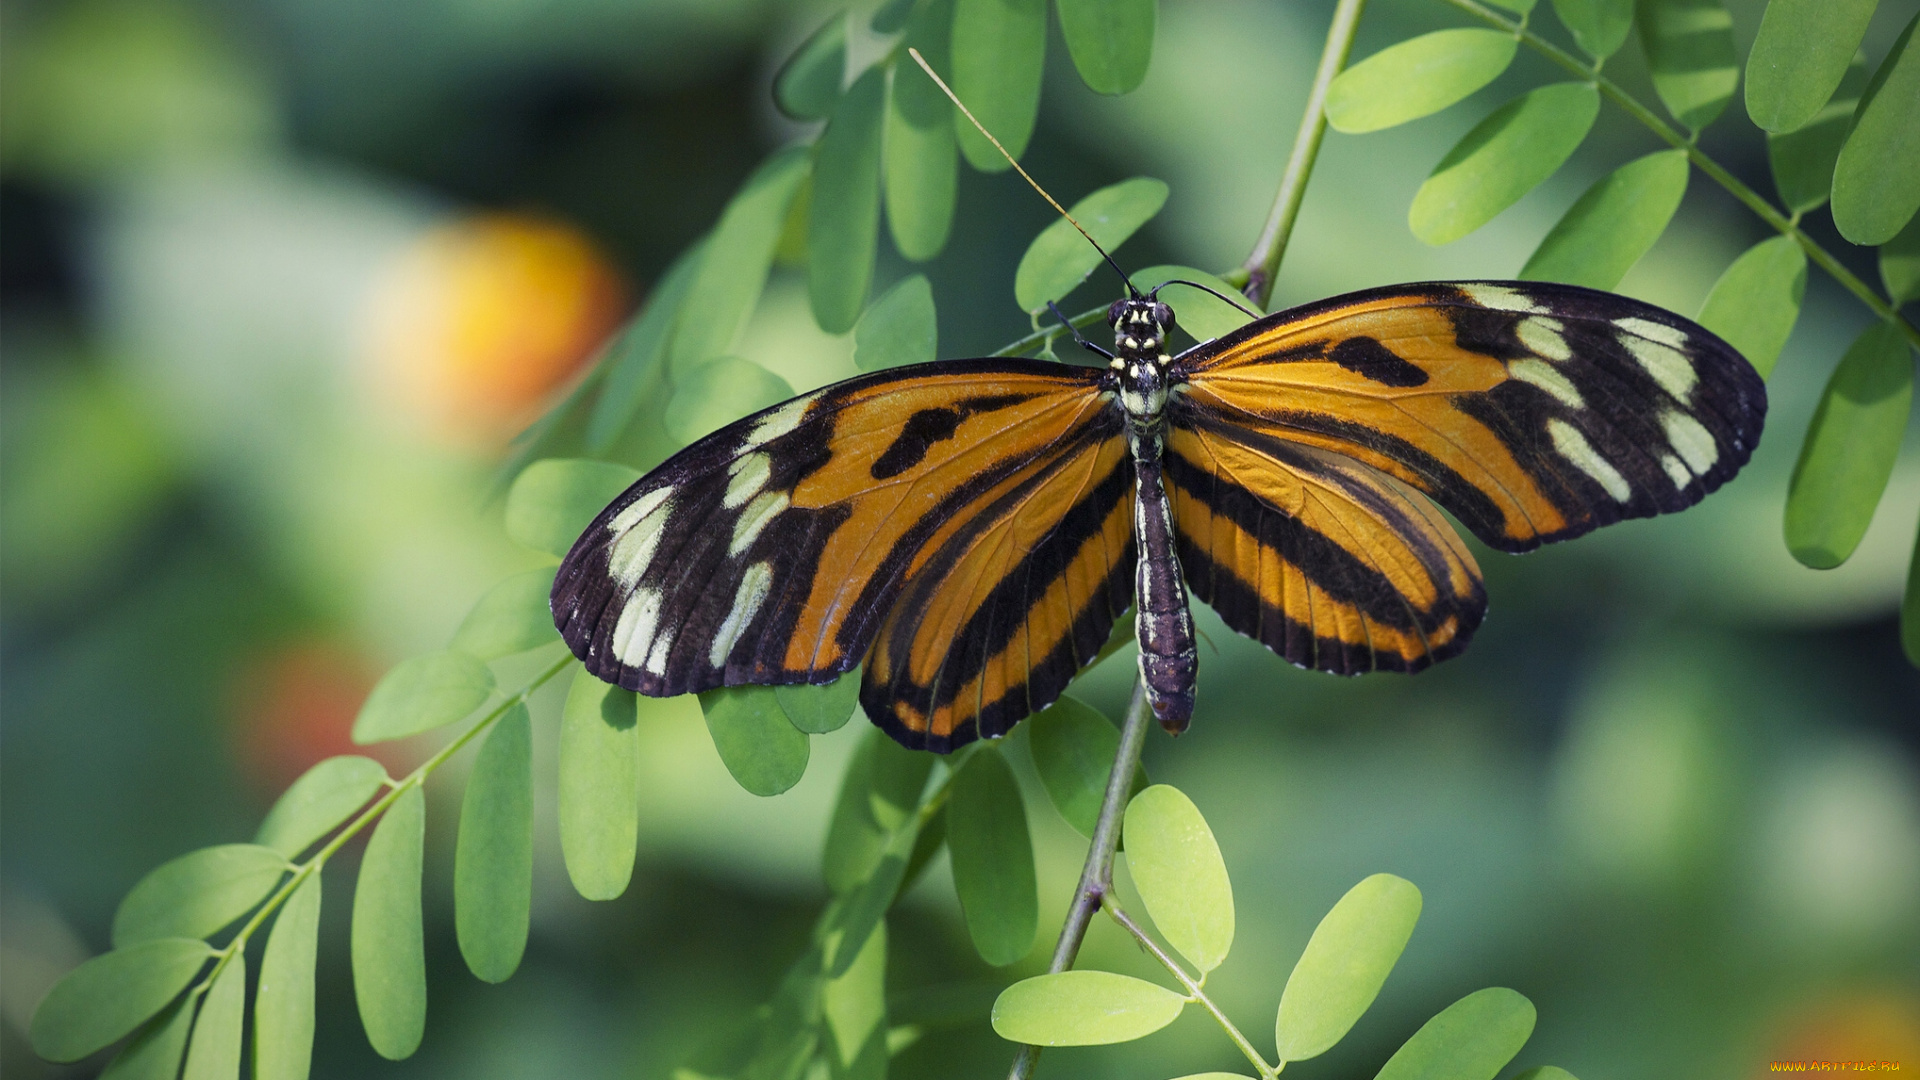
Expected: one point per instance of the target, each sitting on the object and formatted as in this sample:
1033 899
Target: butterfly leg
1078 338
1169 662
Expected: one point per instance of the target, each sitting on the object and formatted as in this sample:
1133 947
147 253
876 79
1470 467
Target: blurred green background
280 277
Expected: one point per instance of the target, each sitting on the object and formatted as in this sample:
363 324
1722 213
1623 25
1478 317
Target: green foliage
599 786
734 264
1900 265
1083 1008
843 221
197 894
283 1003
999 49
1876 180
421 694
1613 224
1690 53
510 618
719 392
1757 300
808 84
1201 314
756 741
1111 41
636 362
1799 56
855 1007
1073 747
1910 610
922 163
102 1000
214 1053
1505 156
155 1053
1059 259
1417 78
817 710
388 946
1850 448
1802 159
493 861
992 857
878 794
1599 26
552 501
1178 869
901 327
1471 1039
1345 963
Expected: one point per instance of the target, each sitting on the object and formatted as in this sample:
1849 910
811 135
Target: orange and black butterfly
970 530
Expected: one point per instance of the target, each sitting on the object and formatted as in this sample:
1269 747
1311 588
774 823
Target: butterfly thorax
1142 372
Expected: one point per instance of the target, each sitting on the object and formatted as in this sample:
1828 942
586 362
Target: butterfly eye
1163 315
1114 312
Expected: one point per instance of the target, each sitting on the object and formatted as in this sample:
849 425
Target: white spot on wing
641 507
1501 298
1575 448
639 621
745 478
780 421
1542 336
1548 378
639 537
754 586
1676 471
1668 366
1693 442
748 526
1660 332
657 656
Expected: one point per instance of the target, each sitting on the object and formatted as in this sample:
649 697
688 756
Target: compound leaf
999 51
1505 156
1876 179
1417 78
389 954
1798 57
1851 445
843 220
214 1053
901 327
599 786
922 165
1613 224
97 1003
1059 259
808 84
197 894
493 856
1802 159
1111 41
154 1052
1471 1039
509 618
553 499
283 1002
1757 300
1073 747
734 263
1083 1008
1345 963
992 855
1177 867
1599 26
421 694
817 710
761 748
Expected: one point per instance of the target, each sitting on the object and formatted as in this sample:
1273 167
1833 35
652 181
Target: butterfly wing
1326 561
772 551
1533 412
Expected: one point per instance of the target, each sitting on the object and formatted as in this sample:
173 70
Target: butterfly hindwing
1533 412
771 551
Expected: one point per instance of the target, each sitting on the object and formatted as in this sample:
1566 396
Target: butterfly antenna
1203 288
958 104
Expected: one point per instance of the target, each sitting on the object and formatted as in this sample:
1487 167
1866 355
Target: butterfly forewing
1533 412
773 550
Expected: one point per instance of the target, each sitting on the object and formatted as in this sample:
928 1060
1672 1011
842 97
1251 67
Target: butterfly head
1140 326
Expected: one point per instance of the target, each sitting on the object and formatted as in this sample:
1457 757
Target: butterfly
969 531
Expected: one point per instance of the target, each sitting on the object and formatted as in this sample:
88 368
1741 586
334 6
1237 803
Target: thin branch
1046 335
1263 264
1096 877
1754 200
1195 991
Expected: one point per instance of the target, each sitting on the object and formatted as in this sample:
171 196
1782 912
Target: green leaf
1876 180
1900 265
878 794
553 500
808 84
1083 1008
1073 747
901 327
1689 47
1613 224
734 264
1757 300
421 694
756 741
1200 314
636 361
719 392
599 786
922 160
843 221
817 710
197 894
1417 78
100 1001
1910 609
389 955
855 1004
510 618
1111 41
1801 51
999 51
214 1053
319 801
992 855
1518 7
1599 26
493 859
864 908
1545 1072
283 1002
892 16
1059 259
1505 156
1802 159
155 1052
1850 448
1470 1039
1178 869
1344 965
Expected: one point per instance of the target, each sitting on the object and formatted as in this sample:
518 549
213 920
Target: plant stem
1753 199
1087 318
1194 989
1096 877
1263 264
318 860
